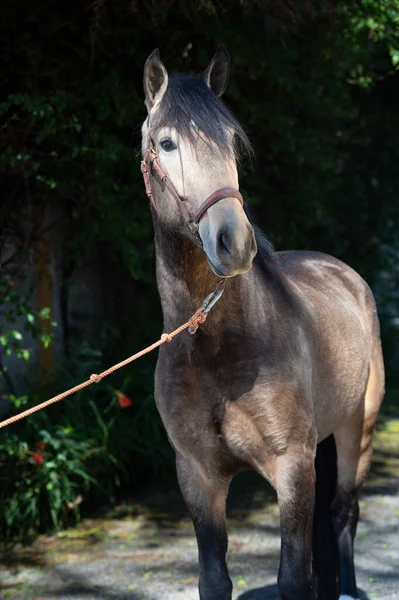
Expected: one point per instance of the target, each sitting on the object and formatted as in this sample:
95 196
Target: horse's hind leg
325 549
205 496
354 452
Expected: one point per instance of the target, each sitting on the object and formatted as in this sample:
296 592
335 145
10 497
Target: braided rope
198 318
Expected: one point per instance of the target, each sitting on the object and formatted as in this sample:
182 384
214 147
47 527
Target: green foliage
40 484
379 20
133 434
12 340
79 453
19 325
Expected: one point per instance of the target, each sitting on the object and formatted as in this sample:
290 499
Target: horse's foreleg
205 496
295 484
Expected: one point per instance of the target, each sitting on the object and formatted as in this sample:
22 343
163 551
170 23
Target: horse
285 377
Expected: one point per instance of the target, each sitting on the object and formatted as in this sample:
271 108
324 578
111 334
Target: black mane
265 254
188 100
265 248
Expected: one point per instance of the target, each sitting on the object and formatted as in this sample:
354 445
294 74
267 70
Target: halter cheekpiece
192 219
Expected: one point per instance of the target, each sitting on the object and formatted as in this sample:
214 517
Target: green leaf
45 312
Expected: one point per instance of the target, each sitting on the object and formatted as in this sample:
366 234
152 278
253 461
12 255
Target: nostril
223 245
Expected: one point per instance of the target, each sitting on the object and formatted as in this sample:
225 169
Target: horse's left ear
217 75
155 79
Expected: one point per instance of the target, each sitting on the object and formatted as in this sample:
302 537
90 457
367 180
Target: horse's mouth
217 271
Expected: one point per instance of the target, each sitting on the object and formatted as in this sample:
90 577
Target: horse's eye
167 145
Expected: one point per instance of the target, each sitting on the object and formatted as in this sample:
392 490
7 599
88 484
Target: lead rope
192 324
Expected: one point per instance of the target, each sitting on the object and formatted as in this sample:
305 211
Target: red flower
38 458
123 400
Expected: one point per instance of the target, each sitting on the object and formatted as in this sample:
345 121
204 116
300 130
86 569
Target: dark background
316 86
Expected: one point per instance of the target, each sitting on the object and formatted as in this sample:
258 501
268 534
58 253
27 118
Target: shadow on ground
76 586
270 592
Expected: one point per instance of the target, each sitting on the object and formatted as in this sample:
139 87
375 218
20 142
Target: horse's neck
184 278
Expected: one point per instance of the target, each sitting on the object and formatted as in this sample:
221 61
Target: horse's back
326 279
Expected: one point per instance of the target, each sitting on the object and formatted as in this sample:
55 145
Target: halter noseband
192 219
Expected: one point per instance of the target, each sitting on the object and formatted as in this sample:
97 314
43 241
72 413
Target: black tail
325 552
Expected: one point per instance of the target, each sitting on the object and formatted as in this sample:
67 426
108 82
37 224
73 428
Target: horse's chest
211 412
192 400
189 400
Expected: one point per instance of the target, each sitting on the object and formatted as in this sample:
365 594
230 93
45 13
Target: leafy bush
42 483
18 307
79 453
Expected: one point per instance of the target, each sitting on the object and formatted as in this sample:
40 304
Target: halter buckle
213 297
209 302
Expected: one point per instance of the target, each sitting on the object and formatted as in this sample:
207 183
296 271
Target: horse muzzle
228 239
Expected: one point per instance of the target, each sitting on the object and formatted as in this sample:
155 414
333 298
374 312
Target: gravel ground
145 552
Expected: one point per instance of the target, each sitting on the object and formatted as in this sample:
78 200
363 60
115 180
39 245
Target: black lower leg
325 549
215 583
206 502
296 501
295 578
346 516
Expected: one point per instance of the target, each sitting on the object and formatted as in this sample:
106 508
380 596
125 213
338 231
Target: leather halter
192 219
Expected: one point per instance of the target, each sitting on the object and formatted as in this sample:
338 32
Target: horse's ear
217 75
155 79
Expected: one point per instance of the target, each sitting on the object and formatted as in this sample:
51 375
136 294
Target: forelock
193 110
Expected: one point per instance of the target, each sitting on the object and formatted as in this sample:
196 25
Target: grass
387 432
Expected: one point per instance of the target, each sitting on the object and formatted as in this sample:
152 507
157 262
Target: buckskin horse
285 377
